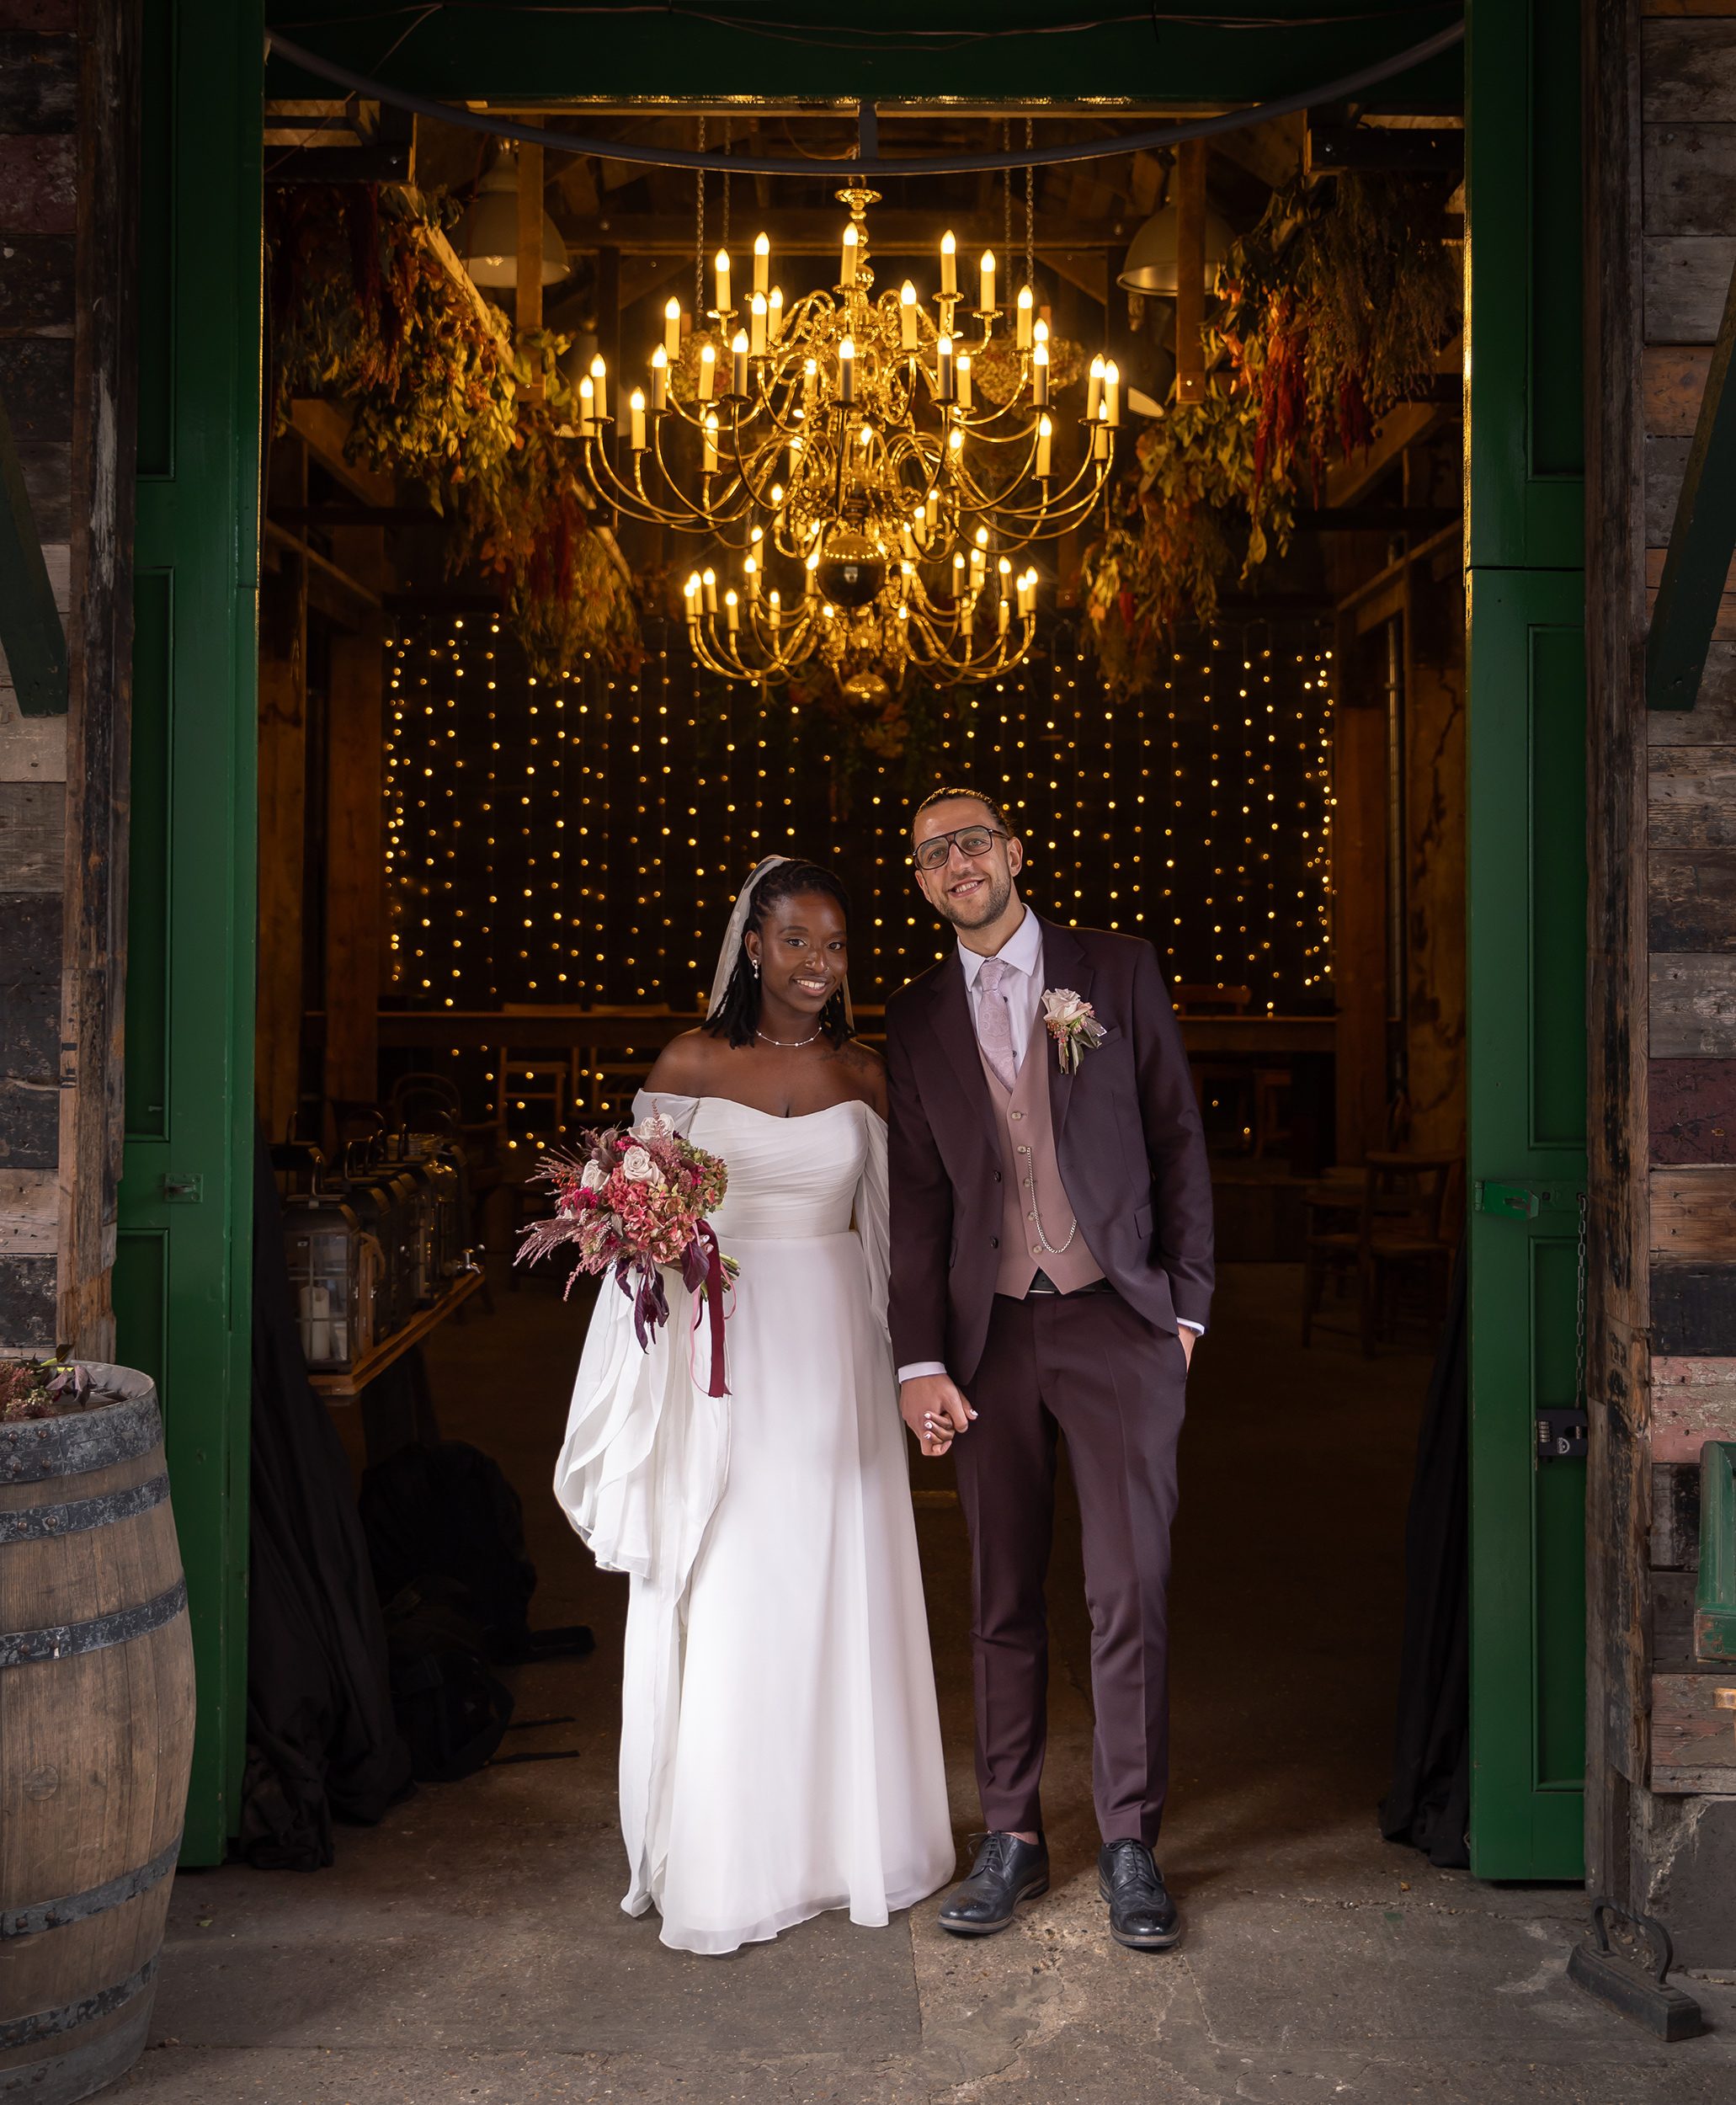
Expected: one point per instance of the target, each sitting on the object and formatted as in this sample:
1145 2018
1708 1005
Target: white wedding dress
780 1747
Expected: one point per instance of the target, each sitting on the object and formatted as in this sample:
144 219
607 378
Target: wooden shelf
347 1386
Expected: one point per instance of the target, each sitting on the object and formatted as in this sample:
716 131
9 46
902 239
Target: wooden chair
1404 1222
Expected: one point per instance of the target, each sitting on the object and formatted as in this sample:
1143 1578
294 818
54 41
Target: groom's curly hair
738 1016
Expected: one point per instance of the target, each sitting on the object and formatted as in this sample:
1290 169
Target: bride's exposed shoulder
867 1073
685 1065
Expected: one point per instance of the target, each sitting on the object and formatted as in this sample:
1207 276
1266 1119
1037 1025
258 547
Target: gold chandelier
880 476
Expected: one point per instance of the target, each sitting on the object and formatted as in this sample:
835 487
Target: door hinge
1525 1202
1562 1434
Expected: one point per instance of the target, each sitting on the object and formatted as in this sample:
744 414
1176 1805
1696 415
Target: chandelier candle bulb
852 241
636 404
949 267
1040 376
599 386
988 277
907 317
931 509
708 580
750 572
708 371
1025 316
1094 388
709 463
738 366
690 591
774 606
962 379
722 270
847 371
762 262
1112 394
587 409
943 384
757 314
731 613
1044 441
775 315
1099 434
672 329
660 378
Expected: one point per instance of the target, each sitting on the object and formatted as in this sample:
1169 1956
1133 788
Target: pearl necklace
788 1045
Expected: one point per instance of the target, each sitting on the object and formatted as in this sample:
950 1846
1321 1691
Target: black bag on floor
451 1710
447 1512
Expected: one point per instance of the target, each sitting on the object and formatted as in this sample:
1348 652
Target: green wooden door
1525 908
181 1282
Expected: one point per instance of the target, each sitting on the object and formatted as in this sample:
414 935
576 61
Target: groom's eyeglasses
973 840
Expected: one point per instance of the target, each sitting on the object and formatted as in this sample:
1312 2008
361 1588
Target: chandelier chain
699 239
1030 212
723 238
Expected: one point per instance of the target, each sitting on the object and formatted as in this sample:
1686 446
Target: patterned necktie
994 1019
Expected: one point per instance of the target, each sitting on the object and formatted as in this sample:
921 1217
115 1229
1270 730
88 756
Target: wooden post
1358 902
355 837
283 811
1190 270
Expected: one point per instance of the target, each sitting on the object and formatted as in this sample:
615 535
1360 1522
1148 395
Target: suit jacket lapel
1064 964
950 1009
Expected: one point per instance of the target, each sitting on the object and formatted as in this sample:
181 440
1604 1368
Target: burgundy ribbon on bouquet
706 1236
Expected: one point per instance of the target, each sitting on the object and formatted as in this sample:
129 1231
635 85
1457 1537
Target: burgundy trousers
1086 1367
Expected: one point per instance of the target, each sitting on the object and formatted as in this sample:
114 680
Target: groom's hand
933 1408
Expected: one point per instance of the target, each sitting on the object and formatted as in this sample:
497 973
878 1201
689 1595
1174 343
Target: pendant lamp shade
487 236
1150 267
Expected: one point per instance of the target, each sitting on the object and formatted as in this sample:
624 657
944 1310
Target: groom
1051 1271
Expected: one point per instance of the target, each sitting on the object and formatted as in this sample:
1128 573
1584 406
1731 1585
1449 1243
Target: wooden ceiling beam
816 232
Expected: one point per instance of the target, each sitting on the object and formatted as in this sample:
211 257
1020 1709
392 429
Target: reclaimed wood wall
68 128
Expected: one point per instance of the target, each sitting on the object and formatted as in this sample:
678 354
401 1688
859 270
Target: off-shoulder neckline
783 1119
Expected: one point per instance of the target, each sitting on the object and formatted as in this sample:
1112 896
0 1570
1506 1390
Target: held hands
930 1405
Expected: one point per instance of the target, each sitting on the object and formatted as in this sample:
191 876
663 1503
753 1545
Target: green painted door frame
183 1286
181 1278
1525 907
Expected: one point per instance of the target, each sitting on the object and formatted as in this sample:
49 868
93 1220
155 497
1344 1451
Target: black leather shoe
1142 1916
1006 1872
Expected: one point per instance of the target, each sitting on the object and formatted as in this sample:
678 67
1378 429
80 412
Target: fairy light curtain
580 840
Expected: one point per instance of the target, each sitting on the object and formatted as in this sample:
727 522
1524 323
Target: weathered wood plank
30 948
36 283
1685 279
1665 461
1724 625
1690 178
355 847
1687 70
1675 1516
38 82
36 382
1692 900
1712 719
33 836
32 748
283 802
1690 793
38 186
1672 1620
29 1212
1692 1108
1694 1212
1693 1734
27 1304
1672 381
1694 1311
1693 1006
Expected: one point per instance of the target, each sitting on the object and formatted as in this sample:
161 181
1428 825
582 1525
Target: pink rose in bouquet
637 1198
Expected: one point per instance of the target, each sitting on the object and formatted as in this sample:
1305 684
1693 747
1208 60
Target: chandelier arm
637 501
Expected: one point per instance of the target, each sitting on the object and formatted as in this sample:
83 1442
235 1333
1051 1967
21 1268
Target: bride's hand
933 1408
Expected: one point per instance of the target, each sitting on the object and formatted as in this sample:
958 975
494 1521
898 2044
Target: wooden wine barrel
96 1738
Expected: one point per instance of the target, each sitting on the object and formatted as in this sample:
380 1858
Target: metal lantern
334 1266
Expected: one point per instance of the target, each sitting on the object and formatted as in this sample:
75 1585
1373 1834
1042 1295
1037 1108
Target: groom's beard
988 905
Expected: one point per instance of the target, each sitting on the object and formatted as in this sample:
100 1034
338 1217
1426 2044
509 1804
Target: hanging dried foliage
1332 310
364 311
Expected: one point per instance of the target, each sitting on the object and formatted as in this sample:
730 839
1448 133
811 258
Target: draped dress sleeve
872 1212
640 1474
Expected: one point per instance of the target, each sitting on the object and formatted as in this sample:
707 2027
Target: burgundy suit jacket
1128 1137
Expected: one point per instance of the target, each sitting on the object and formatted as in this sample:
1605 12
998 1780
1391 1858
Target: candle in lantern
1112 394
847 371
949 265
709 579
906 315
738 364
722 266
636 404
762 262
943 370
1024 318
659 378
1045 440
757 313
988 275
1094 386
709 462
672 329
1040 375
961 376
851 242
775 315
600 385
708 371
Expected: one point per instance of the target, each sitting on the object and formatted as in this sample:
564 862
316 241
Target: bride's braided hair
738 1016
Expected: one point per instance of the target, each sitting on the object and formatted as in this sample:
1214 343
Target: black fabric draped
322 1741
1428 1804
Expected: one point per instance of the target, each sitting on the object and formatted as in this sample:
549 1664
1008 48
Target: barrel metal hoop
34 1448
48 2024
25 1648
44 1523
54 1915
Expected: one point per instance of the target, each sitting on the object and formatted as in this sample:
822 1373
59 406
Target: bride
780 1749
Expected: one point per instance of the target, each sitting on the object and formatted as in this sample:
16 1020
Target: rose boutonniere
1073 1025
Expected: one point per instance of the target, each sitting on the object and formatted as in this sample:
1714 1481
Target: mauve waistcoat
1031 1180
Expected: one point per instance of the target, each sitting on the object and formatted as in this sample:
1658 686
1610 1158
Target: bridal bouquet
635 1200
